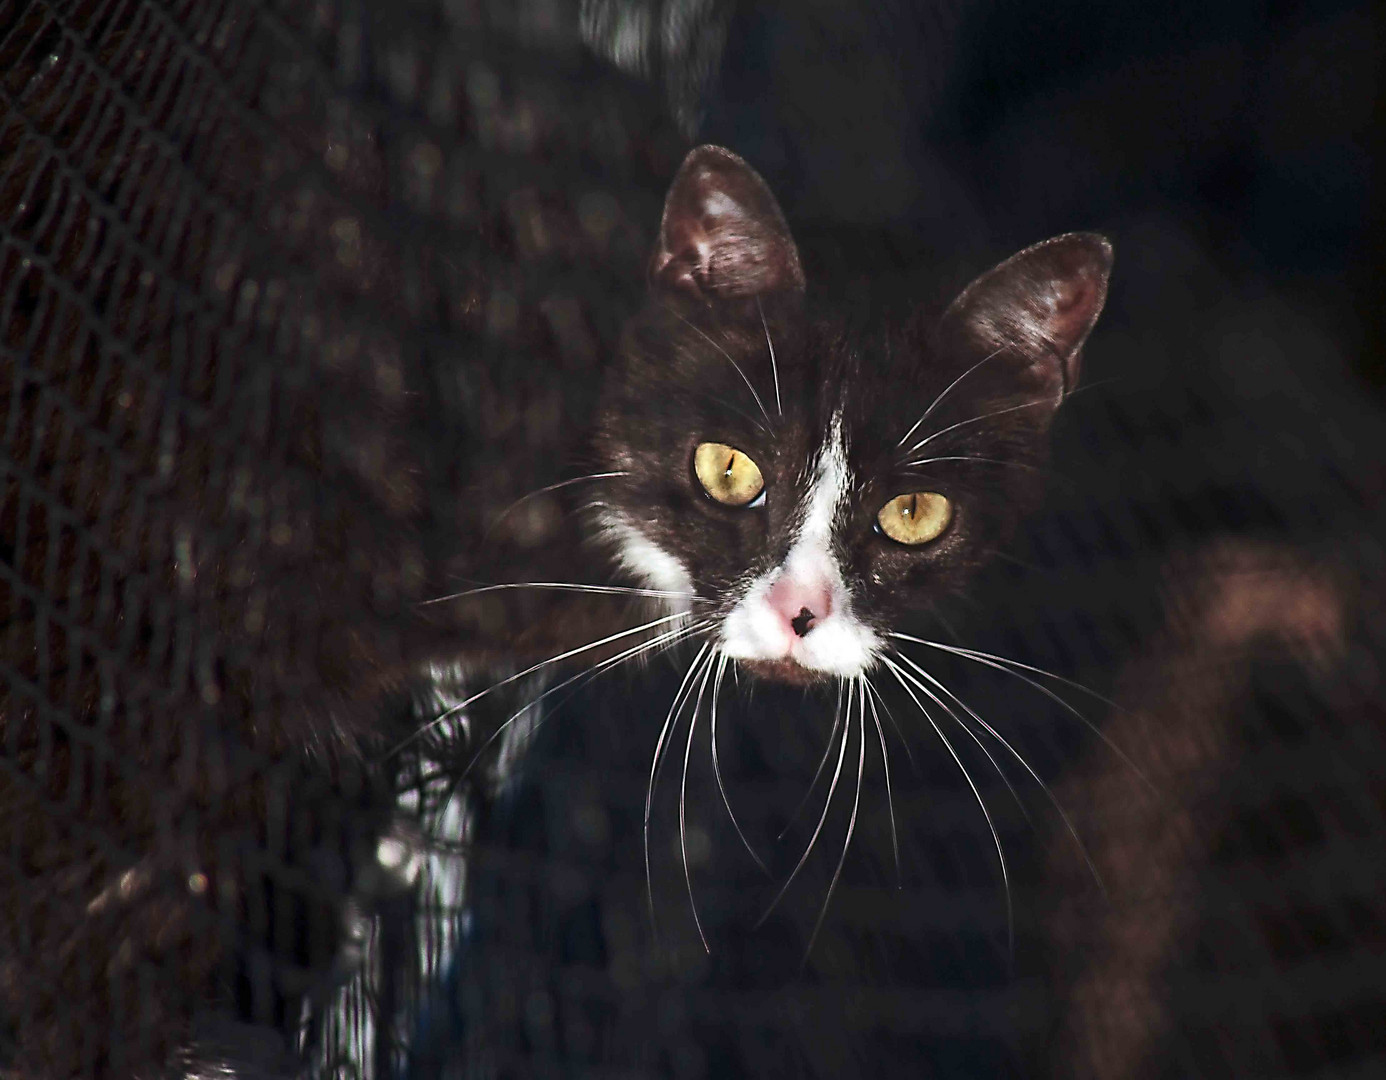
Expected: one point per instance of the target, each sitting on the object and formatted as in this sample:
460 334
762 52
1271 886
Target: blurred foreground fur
1269 652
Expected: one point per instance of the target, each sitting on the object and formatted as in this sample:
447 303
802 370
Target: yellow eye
727 474
915 518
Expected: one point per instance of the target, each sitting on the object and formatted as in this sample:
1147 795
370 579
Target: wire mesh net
294 297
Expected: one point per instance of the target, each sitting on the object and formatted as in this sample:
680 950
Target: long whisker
1065 396
683 804
969 457
1049 794
1005 779
681 698
529 671
718 399
822 764
730 360
904 743
976 420
566 586
675 708
544 491
717 767
1003 664
949 389
976 794
979 655
851 822
774 368
827 805
667 638
885 763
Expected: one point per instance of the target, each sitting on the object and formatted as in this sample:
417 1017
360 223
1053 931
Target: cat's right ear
723 235
1037 308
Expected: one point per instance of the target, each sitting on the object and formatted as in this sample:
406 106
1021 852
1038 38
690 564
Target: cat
793 491
743 421
1183 706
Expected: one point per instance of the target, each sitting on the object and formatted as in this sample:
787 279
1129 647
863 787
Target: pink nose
800 604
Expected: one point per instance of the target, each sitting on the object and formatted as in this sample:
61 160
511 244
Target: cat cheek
643 557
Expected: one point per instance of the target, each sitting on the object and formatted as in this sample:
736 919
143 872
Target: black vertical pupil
914 505
730 461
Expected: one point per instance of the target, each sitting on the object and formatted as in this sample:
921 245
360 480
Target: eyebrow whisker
730 359
774 367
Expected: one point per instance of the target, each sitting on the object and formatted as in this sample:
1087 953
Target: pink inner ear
1069 294
1043 301
723 234
683 270
1077 302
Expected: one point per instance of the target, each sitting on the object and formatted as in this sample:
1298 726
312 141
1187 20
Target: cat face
801 486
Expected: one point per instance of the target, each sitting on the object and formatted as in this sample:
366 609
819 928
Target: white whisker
968 457
529 671
979 655
1005 779
851 822
885 763
904 743
822 764
827 805
1068 824
774 367
670 719
566 586
730 360
899 674
1003 664
717 767
948 389
683 804
669 637
544 491
975 420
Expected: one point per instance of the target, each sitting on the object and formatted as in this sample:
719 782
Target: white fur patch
831 482
839 644
646 561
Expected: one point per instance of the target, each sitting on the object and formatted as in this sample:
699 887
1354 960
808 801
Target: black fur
695 365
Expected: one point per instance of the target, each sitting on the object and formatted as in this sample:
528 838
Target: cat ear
1040 305
722 235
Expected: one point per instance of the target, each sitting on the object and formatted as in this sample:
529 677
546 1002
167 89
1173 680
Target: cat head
804 488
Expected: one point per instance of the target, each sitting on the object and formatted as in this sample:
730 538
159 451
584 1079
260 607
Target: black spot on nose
802 621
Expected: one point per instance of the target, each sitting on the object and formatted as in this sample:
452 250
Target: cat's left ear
723 235
1037 307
